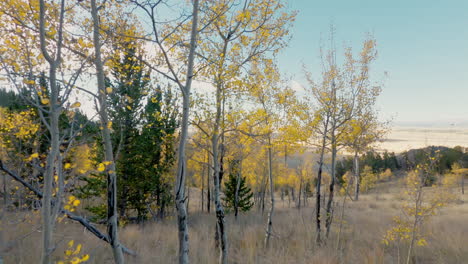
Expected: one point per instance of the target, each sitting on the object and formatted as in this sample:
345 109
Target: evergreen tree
244 193
156 154
129 83
144 127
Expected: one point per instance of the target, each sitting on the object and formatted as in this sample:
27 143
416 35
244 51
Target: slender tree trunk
5 192
318 197
341 220
188 200
2 240
221 233
415 223
180 199
463 183
357 177
264 188
208 190
331 193
272 195
48 214
202 193
112 221
220 223
304 196
299 195
236 200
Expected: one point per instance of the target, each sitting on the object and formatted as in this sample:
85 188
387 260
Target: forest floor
363 228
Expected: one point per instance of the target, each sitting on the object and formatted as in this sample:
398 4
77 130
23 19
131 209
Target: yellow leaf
67 166
70 244
75 260
109 124
76 105
76 202
34 156
44 101
29 82
78 249
101 167
85 258
108 90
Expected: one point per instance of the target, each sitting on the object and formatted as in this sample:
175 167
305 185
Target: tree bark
299 195
180 199
331 193
112 216
208 189
202 193
48 214
318 197
220 222
272 195
463 183
357 177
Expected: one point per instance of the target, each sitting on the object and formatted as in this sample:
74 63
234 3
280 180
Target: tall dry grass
364 225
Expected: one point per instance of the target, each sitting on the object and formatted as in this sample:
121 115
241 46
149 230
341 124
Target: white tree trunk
112 217
269 228
329 216
180 199
48 216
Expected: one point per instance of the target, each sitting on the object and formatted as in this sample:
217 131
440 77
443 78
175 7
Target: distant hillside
447 157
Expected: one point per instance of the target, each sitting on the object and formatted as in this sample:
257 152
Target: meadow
363 227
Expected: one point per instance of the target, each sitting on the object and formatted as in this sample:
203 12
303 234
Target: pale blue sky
423 45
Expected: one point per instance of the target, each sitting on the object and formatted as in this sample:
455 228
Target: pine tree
235 182
144 126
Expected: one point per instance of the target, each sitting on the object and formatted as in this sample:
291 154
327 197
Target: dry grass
365 223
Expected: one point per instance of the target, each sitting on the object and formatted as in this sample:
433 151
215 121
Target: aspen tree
171 50
420 204
41 41
336 98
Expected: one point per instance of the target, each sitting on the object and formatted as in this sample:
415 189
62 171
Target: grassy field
363 228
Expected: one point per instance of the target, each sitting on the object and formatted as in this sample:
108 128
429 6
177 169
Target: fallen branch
83 221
